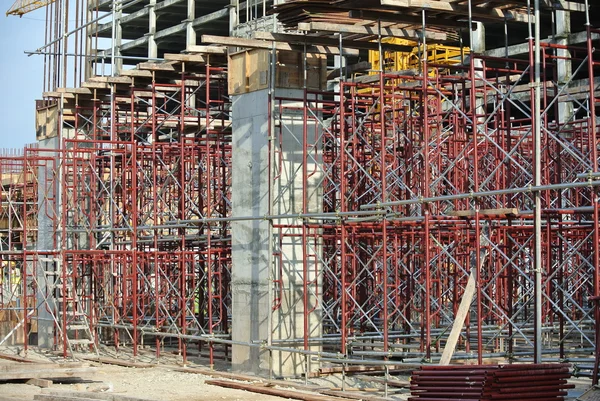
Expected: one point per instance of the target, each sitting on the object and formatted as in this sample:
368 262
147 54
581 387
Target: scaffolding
405 192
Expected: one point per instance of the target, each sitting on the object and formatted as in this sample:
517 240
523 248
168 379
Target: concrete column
255 242
478 47
251 269
152 47
45 242
233 15
563 65
190 33
118 35
89 64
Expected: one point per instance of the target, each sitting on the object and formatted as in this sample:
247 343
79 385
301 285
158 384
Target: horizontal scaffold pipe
483 194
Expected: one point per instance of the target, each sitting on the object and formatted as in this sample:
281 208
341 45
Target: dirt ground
157 383
162 383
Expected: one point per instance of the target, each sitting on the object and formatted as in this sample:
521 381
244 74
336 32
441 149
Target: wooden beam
166 66
207 49
42 383
118 362
453 8
111 80
400 17
59 397
75 91
316 40
136 73
466 300
96 85
410 34
263 389
16 358
486 212
261 44
44 373
188 58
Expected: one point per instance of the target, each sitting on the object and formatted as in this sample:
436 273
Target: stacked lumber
23 371
491 382
291 13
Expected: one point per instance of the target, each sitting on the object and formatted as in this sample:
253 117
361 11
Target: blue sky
21 77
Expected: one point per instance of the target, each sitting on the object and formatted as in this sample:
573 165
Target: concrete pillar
563 63
45 242
118 36
190 33
89 62
251 269
152 47
255 241
233 15
478 47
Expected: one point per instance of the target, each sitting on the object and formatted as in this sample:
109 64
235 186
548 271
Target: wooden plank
316 40
56 397
16 358
188 58
166 66
56 94
411 34
459 321
261 44
248 378
453 8
96 85
262 389
136 73
89 395
465 302
207 49
44 373
76 91
486 212
110 80
43 383
118 362
17 367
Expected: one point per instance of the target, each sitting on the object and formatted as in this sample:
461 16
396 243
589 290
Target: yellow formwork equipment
400 61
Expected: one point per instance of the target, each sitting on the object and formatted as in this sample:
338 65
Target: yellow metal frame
399 61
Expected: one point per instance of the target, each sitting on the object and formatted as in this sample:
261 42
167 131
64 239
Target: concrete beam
523 48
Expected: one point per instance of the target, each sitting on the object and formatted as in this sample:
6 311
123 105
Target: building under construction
296 185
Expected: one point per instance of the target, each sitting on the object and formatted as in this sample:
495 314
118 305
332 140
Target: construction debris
43 371
266 389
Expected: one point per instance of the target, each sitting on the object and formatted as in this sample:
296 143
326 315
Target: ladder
67 310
